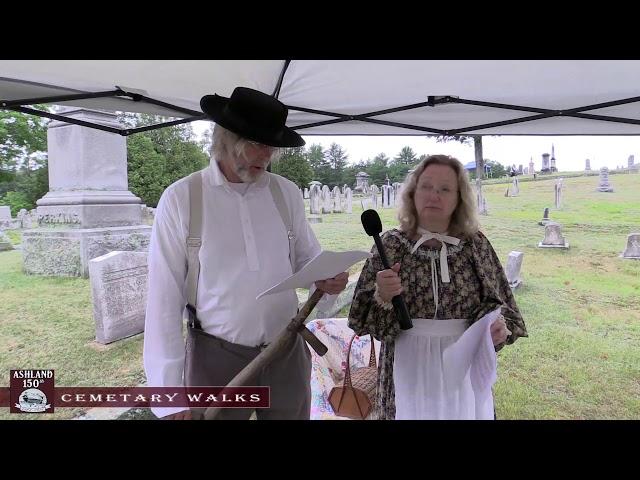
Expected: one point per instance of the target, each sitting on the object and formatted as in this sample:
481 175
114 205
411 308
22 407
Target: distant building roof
472 166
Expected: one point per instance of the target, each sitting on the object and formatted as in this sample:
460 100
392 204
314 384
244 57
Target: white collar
444 238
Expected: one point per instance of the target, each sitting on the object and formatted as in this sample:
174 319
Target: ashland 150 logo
31 391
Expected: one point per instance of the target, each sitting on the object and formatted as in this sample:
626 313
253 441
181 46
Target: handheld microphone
373 226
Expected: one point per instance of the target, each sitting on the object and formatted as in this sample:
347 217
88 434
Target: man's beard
245 175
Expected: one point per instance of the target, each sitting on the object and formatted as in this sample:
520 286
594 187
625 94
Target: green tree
146 169
398 172
16 201
24 176
22 138
337 160
158 158
378 169
318 163
497 169
350 171
34 184
294 166
406 157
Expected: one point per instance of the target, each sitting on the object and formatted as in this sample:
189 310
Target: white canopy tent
352 97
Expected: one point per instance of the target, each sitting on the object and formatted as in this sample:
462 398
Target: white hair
224 143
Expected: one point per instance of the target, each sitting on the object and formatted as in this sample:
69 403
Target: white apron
444 371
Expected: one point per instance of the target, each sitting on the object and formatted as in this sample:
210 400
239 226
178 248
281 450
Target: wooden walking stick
275 348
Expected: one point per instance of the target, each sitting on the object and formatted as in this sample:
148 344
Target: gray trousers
211 361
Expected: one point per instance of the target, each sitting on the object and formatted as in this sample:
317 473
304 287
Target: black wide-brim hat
252 115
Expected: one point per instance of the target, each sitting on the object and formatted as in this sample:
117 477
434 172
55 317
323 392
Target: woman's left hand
499 331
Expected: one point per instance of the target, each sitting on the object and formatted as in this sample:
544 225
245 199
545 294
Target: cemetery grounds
581 307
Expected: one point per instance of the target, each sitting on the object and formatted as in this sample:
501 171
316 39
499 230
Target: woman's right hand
388 283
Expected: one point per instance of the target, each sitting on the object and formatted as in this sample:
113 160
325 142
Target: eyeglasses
444 191
255 144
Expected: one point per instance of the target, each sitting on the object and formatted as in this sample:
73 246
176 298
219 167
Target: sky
570 151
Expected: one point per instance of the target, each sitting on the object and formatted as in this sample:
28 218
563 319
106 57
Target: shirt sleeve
495 288
164 347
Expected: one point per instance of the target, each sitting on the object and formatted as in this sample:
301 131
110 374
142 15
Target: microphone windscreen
371 222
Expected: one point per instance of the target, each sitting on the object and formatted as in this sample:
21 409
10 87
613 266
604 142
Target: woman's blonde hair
464 220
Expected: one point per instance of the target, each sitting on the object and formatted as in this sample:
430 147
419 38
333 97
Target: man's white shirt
245 250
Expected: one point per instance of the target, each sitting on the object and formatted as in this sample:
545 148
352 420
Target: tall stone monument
362 182
545 163
604 185
89 210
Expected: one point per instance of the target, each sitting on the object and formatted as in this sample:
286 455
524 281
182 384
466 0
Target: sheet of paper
325 265
458 357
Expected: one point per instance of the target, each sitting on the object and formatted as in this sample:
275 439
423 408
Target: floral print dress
478 285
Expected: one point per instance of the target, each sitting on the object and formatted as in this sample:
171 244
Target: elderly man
245 249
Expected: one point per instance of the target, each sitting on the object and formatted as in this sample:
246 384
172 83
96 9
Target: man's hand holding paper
328 271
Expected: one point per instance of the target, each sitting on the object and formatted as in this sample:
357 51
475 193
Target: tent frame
432 101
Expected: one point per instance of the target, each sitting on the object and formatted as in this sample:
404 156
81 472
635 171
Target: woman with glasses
450 277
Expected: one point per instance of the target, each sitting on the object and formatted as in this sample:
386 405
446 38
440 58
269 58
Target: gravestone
604 185
515 190
374 195
336 198
366 203
306 193
397 193
24 219
148 215
630 161
520 169
119 294
387 192
5 243
514 264
327 202
5 214
558 192
315 200
348 200
633 247
553 237
88 210
532 168
545 217
587 165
